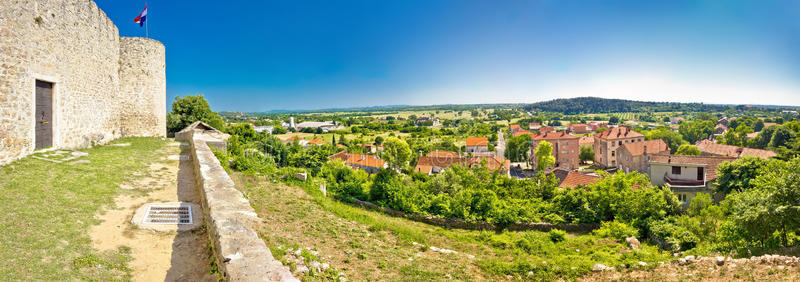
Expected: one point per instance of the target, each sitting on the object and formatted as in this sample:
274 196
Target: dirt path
157 256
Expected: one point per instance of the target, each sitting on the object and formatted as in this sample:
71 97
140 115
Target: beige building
634 156
477 145
686 175
68 80
607 142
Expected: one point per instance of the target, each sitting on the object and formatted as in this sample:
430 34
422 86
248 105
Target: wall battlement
102 86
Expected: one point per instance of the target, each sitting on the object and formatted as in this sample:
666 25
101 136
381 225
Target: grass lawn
47 209
368 245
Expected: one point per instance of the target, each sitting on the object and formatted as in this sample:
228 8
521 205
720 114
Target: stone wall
240 254
142 74
74 45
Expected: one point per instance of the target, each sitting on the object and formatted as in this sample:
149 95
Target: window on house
676 170
612 153
683 198
620 143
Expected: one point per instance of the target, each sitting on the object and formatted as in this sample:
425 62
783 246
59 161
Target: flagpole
146 32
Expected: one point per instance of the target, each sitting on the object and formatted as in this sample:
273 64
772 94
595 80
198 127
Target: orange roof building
686 175
369 163
316 141
573 178
437 161
607 142
514 127
710 148
635 156
521 132
565 148
477 145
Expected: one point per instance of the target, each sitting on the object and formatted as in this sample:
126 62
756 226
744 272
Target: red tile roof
426 163
553 136
709 147
653 146
477 141
546 129
710 163
586 140
316 142
359 159
442 154
572 178
620 132
514 127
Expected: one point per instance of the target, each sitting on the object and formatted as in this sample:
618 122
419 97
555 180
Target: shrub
616 230
557 235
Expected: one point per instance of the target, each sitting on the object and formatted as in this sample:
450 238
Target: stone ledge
239 253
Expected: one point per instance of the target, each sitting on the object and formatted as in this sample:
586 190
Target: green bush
616 230
557 235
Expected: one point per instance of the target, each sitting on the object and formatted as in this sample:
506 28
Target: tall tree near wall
189 109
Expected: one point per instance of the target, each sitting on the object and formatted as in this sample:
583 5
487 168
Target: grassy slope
366 245
47 209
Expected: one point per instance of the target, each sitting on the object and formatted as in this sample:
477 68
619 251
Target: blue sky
267 55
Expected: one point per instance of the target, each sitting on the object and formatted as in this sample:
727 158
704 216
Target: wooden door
44 114
700 173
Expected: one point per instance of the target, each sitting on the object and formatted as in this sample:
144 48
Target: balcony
684 183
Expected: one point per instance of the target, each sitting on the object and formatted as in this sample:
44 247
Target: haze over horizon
334 54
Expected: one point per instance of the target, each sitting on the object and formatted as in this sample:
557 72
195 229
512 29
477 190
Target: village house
579 128
534 126
514 127
593 126
565 148
369 163
676 120
316 142
263 128
635 156
324 125
686 175
437 161
710 148
607 142
544 129
477 145
573 178
372 148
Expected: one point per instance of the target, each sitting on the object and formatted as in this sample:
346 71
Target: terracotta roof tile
620 132
359 159
709 147
553 136
586 140
477 141
653 146
574 178
521 132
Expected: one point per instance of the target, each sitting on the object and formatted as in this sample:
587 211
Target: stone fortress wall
104 86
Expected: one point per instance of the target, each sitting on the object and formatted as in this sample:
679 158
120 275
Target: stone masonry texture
105 86
238 251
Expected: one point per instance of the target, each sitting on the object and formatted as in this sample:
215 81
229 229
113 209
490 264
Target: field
366 245
49 207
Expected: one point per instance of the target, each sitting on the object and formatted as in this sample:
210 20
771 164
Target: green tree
544 156
688 150
693 131
781 137
737 175
782 180
517 148
613 120
396 152
672 138
586 154
189 109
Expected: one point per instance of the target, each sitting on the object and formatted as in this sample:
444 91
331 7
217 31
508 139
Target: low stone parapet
239 253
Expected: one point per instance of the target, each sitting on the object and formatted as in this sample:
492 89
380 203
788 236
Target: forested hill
601 105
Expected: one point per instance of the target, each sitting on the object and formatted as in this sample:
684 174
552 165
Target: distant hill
602 105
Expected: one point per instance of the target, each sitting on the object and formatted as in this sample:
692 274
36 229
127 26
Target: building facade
565 148
68 80
686 175
607 142
635 156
